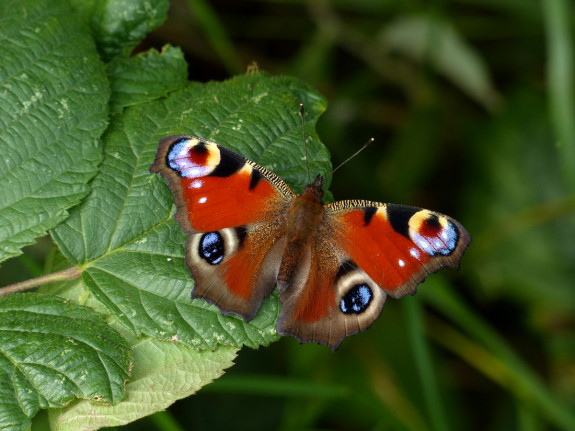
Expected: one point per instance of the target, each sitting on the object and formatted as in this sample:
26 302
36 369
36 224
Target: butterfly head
315 189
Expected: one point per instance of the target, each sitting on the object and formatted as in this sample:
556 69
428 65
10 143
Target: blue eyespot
211 248
356 300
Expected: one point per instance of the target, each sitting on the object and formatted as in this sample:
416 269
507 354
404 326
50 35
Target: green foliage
163 373
144 77
118 26
123 235
471 105
427 39
52 352
51 110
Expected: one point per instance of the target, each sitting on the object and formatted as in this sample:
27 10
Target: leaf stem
66 274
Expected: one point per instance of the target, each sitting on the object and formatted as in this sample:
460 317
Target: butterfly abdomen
303 218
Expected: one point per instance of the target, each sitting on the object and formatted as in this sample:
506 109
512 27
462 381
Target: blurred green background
471 103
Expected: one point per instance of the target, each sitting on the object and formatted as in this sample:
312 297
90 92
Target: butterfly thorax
303 218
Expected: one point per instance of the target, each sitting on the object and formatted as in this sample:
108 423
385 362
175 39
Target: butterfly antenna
371 140
301 112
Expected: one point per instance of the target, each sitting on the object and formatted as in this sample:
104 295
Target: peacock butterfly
334 264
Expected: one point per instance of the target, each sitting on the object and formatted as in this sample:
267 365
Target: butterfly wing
363 252
234 210
397 245
312 304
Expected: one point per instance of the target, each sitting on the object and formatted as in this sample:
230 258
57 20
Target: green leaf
119 25
146 76
53 350
52 111
426 38
164 372
124 234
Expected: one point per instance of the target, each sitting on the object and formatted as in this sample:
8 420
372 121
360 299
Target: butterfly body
304 217
334 264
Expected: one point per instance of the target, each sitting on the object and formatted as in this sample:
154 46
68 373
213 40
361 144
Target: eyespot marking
192 158
211 248
356 300
434 234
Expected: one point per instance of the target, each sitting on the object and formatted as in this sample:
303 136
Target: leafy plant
79 131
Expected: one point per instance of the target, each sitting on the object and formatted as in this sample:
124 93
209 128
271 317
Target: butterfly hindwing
330 297
233 208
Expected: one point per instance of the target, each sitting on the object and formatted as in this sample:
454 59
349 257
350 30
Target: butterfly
334 264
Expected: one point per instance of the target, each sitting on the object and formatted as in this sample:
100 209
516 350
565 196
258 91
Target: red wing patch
215 188
213 203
